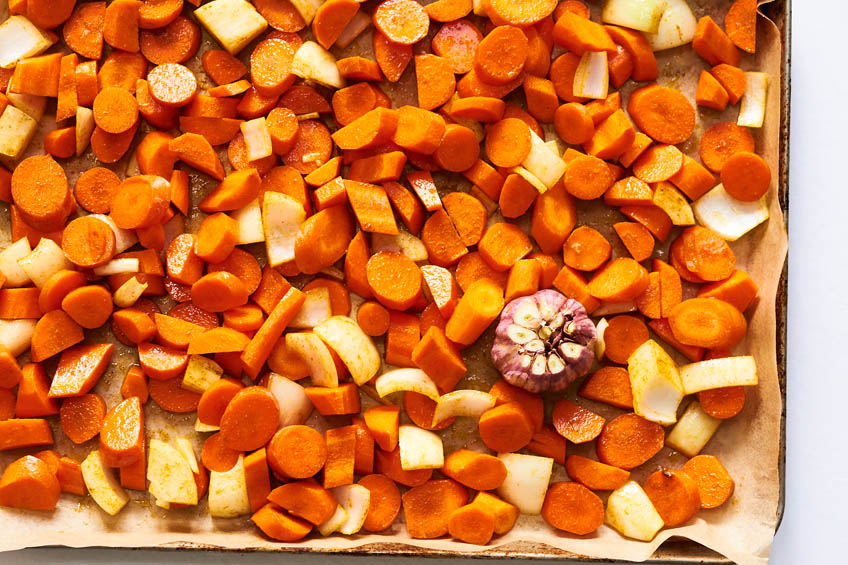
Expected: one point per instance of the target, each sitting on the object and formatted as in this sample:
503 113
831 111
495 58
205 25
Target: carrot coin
172 84
40 192
176 42
663 113
508 142
115 110
723 140
501 55
394 278
95 188
402 21
88 242
746 176
457 42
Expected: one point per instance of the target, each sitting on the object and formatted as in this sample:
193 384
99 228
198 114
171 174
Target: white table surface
817 453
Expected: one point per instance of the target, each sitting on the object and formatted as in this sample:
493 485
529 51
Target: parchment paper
748 444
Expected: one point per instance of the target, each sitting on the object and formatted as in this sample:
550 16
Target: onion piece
462 403
117 267
676 27
752 110
406 380
643 15
420 449
728 217
542 163
591 79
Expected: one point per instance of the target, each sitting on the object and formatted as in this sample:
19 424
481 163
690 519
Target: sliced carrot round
501 55
115 110
663 113
723 140
457 42
521 13
394 278
746 176
176 42
95 188
88 242
172 84
402 21
270 64
508 142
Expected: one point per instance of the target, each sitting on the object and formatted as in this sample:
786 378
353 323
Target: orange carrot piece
257 478
305 499
628 441
341 454
403 335
593 474
427 508
740 23
88 242
662 328
652 217
29 483
477 471
457 41
738 289
79 369
323 238
83 31
394 278
257 351
120 25
713 45
586 249
435 81
612 137
620 280
571 507
135 384
441 239
746 176
122 434
715 485
573 284
54 332
506 428
81 417
636 238
575 423
279 525
440 359
523 279
710 93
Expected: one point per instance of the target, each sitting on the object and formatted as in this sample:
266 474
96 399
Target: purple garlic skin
544 341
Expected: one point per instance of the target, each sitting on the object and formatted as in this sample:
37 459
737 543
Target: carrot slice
29 483
715 485
298 452
122 434
402 21
506 428
619 280
83 31
571 507
435 81
595 475
427 508
586 249
575 423
82 417
628 441
394 278
663 113
457 41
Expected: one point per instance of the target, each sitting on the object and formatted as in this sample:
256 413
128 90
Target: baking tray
675 550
